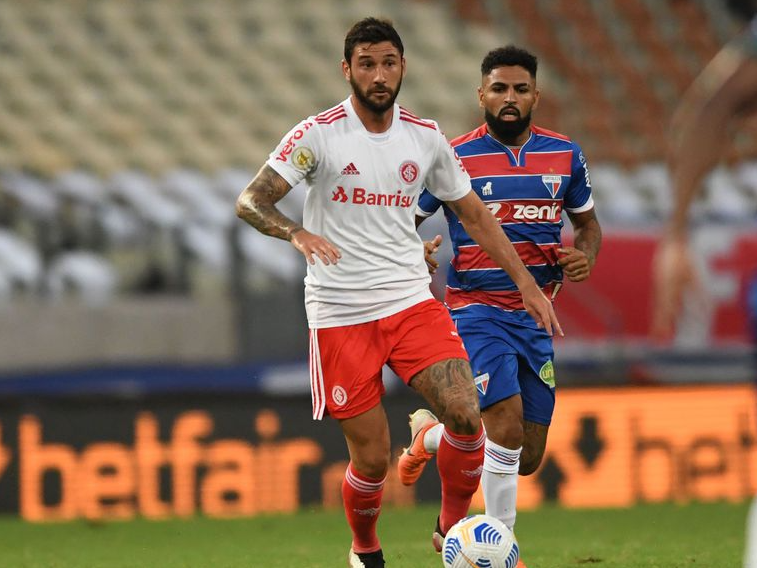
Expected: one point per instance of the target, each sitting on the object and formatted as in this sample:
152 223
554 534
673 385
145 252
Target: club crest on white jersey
409 171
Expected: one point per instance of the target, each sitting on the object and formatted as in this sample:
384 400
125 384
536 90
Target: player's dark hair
509 56
371 30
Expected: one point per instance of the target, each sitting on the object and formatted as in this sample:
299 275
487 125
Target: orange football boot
414 458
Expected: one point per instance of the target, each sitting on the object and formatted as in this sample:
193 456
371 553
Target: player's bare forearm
257 205
587 234
725 90
577 261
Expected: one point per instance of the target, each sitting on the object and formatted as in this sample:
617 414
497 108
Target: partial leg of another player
504 441
458 441
367 437
513 447
750 552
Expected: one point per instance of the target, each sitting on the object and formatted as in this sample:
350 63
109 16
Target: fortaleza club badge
482 382
547 373
552 183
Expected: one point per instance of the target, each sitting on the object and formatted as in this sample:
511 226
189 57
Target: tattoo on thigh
444 382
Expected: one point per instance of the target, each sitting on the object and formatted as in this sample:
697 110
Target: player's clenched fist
575 263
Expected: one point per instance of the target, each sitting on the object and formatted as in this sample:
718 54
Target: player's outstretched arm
724 91
481 225
257 206
577 261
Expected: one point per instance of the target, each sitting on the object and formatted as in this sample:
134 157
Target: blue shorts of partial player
509 355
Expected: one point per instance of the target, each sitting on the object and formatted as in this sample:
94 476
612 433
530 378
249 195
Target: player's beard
373 106
507 131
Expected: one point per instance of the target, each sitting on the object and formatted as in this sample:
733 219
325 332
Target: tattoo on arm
257 205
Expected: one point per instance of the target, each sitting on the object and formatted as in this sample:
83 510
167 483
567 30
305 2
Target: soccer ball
482 541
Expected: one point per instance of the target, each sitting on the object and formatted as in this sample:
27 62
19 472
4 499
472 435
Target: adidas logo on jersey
350 170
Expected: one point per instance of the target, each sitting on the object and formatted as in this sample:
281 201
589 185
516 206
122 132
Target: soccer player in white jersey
368 303
723 93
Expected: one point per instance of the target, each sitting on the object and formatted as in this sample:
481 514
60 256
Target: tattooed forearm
448 387
257 205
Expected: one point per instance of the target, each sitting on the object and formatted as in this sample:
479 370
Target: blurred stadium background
141 321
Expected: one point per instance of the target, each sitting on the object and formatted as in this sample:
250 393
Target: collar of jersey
520 160
357 123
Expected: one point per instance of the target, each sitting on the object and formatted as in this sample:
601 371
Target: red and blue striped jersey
526 189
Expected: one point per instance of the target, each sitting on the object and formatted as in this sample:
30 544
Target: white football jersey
361 193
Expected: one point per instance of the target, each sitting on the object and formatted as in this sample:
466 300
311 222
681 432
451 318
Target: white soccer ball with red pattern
481 541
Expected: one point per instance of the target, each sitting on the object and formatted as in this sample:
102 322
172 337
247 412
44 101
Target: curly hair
508 56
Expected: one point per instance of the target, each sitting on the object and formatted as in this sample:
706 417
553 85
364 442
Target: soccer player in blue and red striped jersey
527 176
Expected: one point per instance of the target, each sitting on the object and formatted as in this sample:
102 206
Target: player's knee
373 466
462 417
507 433
503 426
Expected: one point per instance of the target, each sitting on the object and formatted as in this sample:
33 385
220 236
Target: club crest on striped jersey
409 171
552 183
482 383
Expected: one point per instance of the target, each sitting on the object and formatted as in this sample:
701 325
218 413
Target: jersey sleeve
578 196
297 154
447 179
427 204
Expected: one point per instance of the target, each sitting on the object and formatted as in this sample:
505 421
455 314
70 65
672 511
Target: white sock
750 553
499 481
433 437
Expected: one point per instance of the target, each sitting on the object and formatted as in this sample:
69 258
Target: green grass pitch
649 536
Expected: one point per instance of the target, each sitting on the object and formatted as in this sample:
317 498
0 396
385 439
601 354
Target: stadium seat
193 189
725 198
139 191
87 276
20 263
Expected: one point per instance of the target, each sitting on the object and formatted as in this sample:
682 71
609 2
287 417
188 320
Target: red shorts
346 361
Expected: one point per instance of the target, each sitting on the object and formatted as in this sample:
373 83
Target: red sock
460 460
362 504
